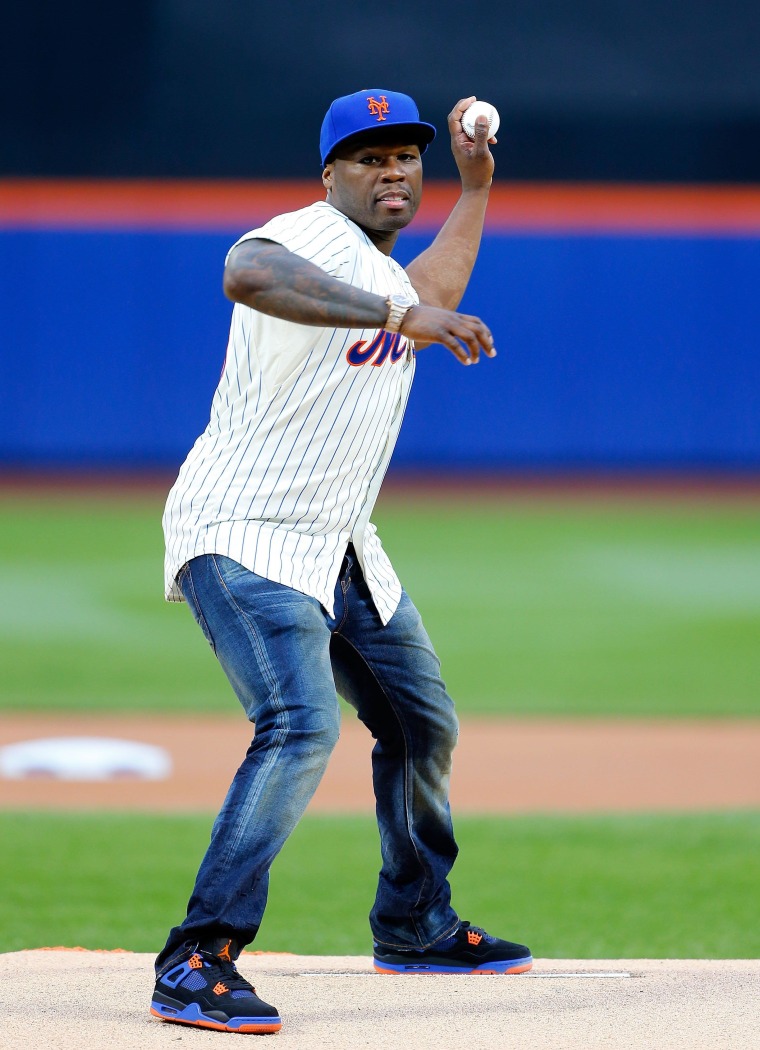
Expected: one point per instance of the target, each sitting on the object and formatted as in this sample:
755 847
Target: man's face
377 184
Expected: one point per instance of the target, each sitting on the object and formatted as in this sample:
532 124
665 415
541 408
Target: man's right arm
273 280
266 276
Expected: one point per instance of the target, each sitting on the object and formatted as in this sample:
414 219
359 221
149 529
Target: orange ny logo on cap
378 109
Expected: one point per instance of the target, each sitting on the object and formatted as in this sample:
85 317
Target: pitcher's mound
64 1000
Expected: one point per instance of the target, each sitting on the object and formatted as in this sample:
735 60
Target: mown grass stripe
640 886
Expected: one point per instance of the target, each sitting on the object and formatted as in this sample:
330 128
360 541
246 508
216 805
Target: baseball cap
367 110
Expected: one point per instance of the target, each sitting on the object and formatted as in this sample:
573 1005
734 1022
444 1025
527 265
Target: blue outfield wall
615 351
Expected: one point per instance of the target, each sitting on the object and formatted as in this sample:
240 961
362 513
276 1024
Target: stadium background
618 271
628 319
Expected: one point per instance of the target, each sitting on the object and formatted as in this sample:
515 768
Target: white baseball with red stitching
473 112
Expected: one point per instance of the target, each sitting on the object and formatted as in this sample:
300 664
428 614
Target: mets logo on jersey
378 109
385 345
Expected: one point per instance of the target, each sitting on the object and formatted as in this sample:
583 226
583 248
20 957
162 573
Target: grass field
595 887
555 607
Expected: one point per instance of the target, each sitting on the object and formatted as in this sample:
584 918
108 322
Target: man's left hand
473 157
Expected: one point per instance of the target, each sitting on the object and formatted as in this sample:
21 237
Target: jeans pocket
230 570
185 584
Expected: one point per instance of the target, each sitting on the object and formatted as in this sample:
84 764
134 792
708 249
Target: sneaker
203 988
469 950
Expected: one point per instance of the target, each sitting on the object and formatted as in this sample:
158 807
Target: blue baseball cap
369 110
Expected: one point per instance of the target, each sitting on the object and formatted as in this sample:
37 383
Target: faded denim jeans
285 658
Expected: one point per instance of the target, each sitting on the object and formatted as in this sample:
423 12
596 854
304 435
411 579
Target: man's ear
327 176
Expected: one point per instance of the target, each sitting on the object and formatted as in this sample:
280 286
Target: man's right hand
464 335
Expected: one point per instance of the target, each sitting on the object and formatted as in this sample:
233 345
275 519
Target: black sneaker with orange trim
469 950
203 988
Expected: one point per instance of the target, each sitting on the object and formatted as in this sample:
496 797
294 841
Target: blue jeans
285 659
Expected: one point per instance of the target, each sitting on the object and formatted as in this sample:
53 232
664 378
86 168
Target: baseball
475 110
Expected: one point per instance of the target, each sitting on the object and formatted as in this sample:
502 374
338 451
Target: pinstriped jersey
303 424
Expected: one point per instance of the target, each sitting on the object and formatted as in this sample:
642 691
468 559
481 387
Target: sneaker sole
193 1015
503 968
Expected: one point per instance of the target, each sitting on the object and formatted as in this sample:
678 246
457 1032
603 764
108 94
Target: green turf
550 608
591 887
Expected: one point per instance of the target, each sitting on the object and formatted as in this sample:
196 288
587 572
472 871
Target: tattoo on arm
271 279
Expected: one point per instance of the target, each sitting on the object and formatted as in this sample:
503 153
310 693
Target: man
270 544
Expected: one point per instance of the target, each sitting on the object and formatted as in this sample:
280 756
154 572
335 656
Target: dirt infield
653 485
504 766
87 1001
72 1000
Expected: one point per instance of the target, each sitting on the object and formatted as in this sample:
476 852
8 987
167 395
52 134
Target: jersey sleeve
313 233
403 278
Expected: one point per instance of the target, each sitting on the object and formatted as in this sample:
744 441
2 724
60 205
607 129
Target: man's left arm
441 273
